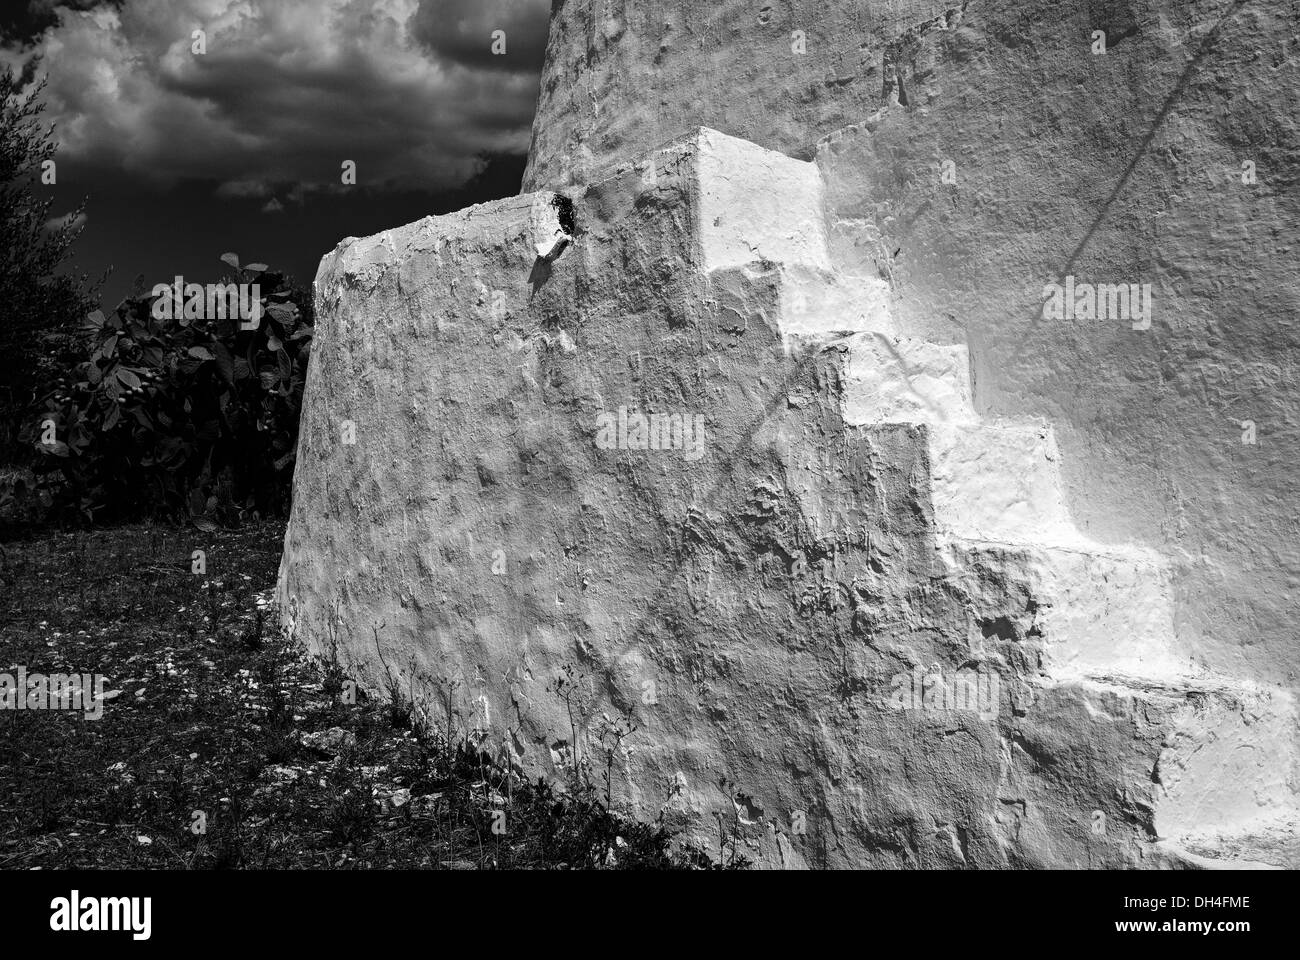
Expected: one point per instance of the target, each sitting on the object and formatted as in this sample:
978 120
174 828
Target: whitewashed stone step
757 204
1101 610
1000 481
1229 763
1271 843
1222 763
815 301
892 379
996 480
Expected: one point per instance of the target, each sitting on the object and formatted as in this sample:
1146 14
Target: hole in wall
564 213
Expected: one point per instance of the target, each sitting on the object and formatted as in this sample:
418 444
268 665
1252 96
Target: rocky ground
221 745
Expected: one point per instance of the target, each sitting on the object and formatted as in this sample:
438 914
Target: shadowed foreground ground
222 746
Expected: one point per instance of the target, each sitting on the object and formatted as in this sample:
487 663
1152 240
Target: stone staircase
1223 783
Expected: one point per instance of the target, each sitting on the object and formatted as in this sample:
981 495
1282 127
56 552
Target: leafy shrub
39 298
187 416
19 507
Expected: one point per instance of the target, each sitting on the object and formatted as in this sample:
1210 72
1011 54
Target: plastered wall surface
918 576
1117 167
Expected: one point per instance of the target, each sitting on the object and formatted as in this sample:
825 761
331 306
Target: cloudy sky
184 155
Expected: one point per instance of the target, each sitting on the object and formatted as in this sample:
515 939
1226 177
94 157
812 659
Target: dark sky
185 156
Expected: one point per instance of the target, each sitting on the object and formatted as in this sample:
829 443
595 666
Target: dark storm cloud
184 156
289 89
23 23
461 31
